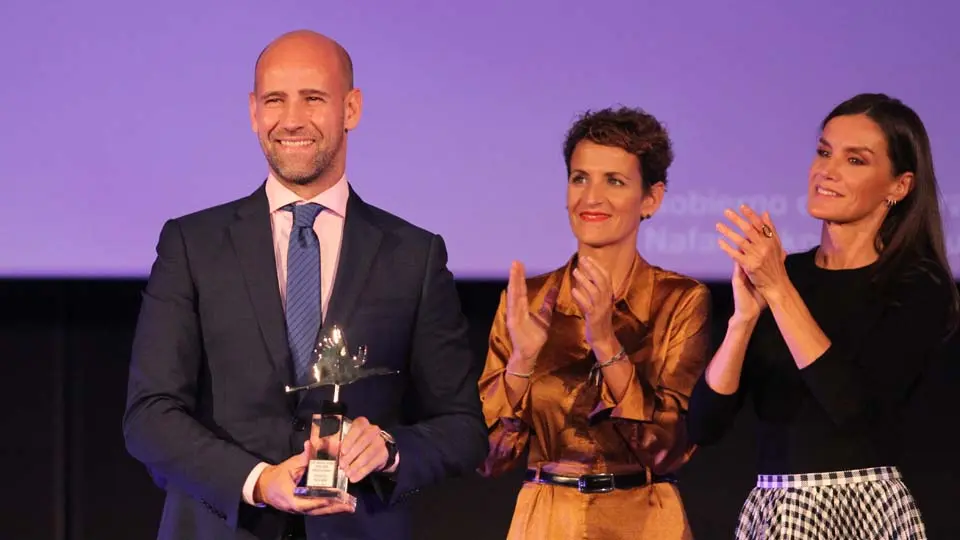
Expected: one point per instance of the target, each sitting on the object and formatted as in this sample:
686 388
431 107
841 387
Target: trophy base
325 493
324 480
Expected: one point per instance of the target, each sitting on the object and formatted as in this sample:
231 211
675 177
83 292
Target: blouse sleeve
873 371
508 426
658 408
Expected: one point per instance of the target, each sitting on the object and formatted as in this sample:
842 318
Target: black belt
598 483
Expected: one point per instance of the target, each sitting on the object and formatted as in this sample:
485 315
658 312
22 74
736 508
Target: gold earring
891 203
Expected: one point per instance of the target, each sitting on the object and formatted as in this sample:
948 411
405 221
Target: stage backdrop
118 115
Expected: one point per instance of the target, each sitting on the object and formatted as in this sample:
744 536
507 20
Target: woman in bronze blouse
591 366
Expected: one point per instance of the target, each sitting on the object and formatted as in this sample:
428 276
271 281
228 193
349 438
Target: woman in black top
830 343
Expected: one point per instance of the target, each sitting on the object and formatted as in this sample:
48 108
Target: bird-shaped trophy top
335 366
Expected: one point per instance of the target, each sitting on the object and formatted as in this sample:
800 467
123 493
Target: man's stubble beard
320 165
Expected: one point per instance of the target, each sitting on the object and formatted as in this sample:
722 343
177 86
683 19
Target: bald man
233 305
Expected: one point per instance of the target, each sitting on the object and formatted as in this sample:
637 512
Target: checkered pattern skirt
872 504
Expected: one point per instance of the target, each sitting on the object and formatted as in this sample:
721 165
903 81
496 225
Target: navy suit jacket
210 359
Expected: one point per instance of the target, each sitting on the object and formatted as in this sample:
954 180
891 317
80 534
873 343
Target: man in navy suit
230 312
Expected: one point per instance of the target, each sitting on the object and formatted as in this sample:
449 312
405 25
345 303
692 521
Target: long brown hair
912 232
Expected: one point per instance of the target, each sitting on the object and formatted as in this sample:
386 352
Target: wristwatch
391 450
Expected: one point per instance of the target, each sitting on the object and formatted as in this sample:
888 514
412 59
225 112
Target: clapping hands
758 257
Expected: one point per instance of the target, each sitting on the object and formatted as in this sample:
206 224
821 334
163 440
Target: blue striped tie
303 287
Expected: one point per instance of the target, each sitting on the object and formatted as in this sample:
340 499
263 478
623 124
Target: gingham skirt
872 504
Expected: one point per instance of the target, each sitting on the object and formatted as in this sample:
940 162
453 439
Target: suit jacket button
298 424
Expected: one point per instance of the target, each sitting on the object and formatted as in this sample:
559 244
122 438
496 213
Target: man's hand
364 450
276 483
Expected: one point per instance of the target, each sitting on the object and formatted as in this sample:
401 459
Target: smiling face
852 178
606 200
301 107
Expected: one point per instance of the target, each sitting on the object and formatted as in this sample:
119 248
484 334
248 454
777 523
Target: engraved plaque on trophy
335 366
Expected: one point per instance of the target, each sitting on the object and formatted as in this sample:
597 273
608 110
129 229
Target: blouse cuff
636 405
496 405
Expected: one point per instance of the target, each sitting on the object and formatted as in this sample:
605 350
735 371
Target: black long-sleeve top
842 411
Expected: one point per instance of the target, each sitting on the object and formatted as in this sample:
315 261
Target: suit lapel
252 238
361 240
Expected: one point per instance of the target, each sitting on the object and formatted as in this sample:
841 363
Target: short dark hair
912 231
631 129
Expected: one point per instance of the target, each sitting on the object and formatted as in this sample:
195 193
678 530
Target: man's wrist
392 469
252 490
393 453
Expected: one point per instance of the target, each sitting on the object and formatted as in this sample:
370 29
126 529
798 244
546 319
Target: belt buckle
588 483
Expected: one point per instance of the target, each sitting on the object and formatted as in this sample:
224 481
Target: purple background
118 115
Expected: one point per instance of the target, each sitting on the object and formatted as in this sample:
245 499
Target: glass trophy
333 366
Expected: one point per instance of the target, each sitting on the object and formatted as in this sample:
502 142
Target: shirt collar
333 199
637 295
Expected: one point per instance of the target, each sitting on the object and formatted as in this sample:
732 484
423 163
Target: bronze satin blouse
575 427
